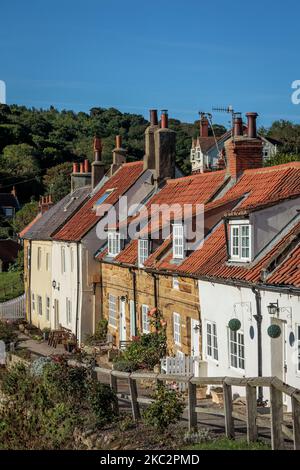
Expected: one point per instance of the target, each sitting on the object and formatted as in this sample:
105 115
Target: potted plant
70 345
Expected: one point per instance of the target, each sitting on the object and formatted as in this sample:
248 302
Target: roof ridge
269 169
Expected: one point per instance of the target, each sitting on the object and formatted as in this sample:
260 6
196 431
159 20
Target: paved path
40 348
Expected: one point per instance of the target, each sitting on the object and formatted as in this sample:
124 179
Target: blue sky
180 55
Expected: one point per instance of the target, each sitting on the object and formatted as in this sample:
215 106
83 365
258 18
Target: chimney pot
97 149
164 119
251 117
75 168
118 141
86 166
81 167
238 125
153 117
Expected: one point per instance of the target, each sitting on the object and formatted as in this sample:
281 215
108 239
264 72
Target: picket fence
13 309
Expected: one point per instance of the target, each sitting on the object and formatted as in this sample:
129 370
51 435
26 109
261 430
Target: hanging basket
274 331
234 324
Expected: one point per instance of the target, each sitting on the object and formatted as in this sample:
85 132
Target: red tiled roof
31 224
129 254
266 185
86 216
194 189
288 273
211 259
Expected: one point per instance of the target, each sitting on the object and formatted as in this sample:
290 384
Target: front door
122 323
278 351
56 314
132 319
195 345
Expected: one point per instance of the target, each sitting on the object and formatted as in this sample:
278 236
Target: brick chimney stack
98 168
244 152
149 158
81 175
119 155
203 126
45 203
165 151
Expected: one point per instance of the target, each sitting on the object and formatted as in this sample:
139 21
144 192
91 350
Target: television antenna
209 118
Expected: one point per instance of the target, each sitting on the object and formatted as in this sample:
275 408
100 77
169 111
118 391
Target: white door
195 345
278 351
132 319
122 321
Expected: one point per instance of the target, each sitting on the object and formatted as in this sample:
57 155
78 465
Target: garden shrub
7 333
100 333
45 406
102 400
167 408
143 353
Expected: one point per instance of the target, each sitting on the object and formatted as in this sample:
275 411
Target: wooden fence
13 309
252 418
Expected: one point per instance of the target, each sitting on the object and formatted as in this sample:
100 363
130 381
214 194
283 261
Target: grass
11 285
223 443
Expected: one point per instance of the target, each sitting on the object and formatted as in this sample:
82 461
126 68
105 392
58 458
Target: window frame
68 311
145 319
63 259
143 251
177 328
175 282
33 301
298 347
112 312
236 249
113 243
212 341
239 346
47 308
40 305
178 241
39 258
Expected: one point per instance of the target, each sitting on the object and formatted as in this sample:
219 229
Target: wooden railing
252 418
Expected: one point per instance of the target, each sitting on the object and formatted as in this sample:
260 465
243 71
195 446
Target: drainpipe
155 290
77 292
134 298
258 318
94 307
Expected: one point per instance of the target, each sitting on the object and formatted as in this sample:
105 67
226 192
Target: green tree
57 180
20 160
24 216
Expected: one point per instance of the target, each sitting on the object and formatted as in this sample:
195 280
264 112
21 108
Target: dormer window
143 251
113 239
178 241
240 241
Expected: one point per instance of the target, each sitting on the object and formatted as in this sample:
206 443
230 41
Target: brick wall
118 281
243 154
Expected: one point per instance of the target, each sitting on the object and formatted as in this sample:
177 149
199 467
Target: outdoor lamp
273 308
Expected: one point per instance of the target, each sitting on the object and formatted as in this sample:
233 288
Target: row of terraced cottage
231 299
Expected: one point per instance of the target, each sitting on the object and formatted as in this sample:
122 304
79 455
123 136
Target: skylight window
103 197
